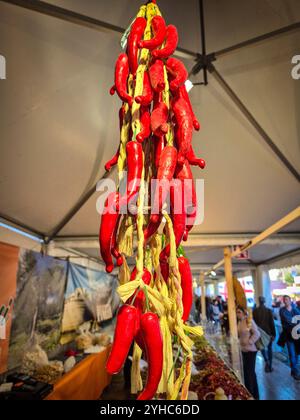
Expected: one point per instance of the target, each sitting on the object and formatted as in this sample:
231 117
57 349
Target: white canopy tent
59 125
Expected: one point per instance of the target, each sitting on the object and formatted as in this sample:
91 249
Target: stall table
86 381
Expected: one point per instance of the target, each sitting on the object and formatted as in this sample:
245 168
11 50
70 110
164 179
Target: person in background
197 300
216 313
248 336
287 314
220 303
209 309
225 320
263 318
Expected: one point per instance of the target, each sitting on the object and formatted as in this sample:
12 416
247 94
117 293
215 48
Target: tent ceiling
59 125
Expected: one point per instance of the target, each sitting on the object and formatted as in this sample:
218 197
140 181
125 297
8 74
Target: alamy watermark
2 67
296 68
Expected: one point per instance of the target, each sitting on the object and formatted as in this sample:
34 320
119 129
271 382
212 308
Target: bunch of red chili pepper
166 129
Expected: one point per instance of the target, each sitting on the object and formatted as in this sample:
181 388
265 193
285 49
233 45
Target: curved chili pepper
152 336
152 228
121 78
159 30
107 229
147 97
193 160
113 162
157 76
145 120
184 94
135 36
171 44
178 72
165 173
126 328
185 127
135 162
159 119
186 286
178 216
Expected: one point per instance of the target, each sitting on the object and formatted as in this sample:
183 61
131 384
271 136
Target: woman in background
248 336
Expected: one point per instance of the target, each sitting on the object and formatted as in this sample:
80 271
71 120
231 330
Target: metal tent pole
254 122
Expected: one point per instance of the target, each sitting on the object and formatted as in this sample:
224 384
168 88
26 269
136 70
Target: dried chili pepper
159 147
165 173
135 163
135 36
114 246
147 97
159 30
152 228
145 120
121 78
193 160
178 73
186 286
109 221
157 76
171 44
153 342
159 119
113 162
184 94
184 131
126 328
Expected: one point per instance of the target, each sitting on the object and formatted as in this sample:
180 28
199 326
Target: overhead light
189 85
213 274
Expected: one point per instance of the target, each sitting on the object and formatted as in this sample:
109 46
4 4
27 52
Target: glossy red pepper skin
147 97
165 173
159 147
134 151
145 119
159 119
108 225
126 328
178 74
114 246
152 228
135 36
152 338
193 160
170 46
157 76
159 30
186 286
113 162
184 132
178 216
121 79
184 94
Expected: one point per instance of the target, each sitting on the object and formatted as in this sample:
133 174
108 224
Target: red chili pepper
193 160
134 152
178 73
184 132
121 78
159 119
152 228
184 94
171 44
126 328
165 270
159 30
157 76
165 173
147 97
107 229
140 298
145 120
152 336
113 162
186 286
135 36
178 216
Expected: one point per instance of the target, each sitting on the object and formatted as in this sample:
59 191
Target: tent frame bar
21 226
253 121
204 62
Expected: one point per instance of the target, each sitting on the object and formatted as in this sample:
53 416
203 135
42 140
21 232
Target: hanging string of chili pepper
156 129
